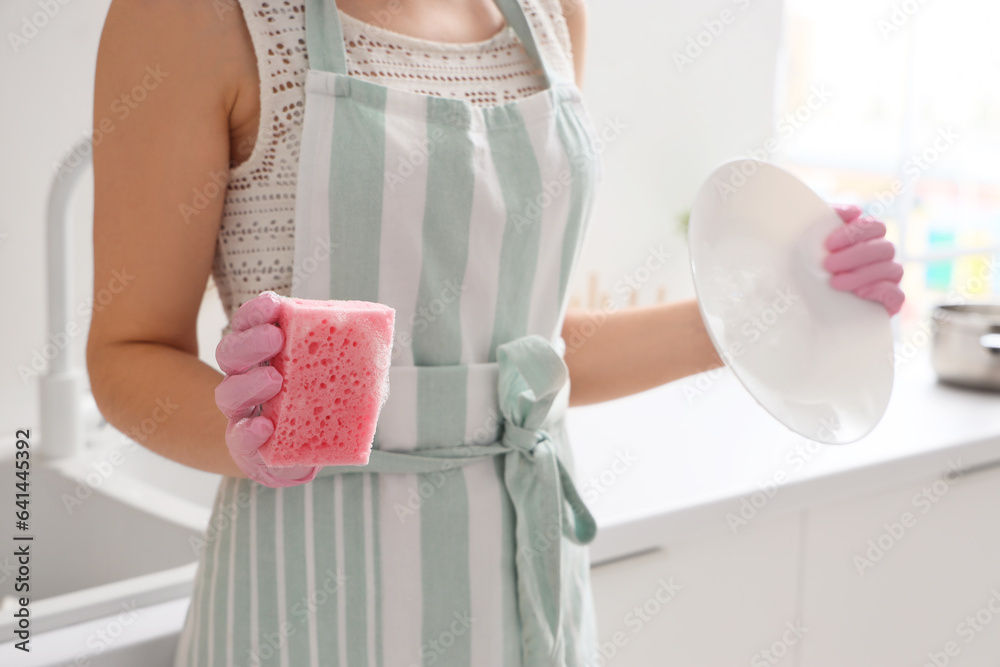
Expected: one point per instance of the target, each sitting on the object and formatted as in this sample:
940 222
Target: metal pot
966 348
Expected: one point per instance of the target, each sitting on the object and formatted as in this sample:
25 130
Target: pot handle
990 342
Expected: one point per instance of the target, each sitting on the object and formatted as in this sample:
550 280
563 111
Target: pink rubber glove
860 260
254 339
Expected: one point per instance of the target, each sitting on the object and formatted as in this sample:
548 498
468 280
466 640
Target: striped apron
462 542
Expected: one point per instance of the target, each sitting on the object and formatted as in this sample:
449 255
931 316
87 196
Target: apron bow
532 379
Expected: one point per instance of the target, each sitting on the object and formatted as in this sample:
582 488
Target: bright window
911 130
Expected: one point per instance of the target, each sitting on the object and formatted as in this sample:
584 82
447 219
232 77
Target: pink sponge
335 370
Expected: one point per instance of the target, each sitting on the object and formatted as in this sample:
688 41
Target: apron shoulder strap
513 11
325 37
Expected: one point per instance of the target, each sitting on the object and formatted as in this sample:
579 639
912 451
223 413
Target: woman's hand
861 261
254 339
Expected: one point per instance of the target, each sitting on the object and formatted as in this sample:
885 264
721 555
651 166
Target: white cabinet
719 601
906 578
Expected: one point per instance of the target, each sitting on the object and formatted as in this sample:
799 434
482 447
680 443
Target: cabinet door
906 578
720 601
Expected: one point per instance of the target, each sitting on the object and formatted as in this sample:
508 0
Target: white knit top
255 248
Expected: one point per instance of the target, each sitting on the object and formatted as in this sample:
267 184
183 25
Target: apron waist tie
532 387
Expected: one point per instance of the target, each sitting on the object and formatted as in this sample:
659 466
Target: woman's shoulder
197 25
187 37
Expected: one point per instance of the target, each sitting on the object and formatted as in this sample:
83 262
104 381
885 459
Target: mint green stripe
212 563
195 616
267 577
437 333
521 184
357 163
511 619
327 586
324 37
296 586
444 565
441 395
241 575
441 405
583 169
221 603
353 518
376 480
192 620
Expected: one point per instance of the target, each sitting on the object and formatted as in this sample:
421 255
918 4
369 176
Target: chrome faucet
62 389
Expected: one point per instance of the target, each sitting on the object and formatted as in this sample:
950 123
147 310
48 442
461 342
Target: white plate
820 361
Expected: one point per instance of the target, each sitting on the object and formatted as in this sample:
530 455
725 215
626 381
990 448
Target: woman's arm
142 353
614 354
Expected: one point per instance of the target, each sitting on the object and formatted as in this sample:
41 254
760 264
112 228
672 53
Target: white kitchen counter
665 466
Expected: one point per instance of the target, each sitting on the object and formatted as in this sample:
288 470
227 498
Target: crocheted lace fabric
255 248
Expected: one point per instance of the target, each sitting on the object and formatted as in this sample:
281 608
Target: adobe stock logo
31 25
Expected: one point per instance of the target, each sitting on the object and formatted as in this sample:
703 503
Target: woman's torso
496 211
256 240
